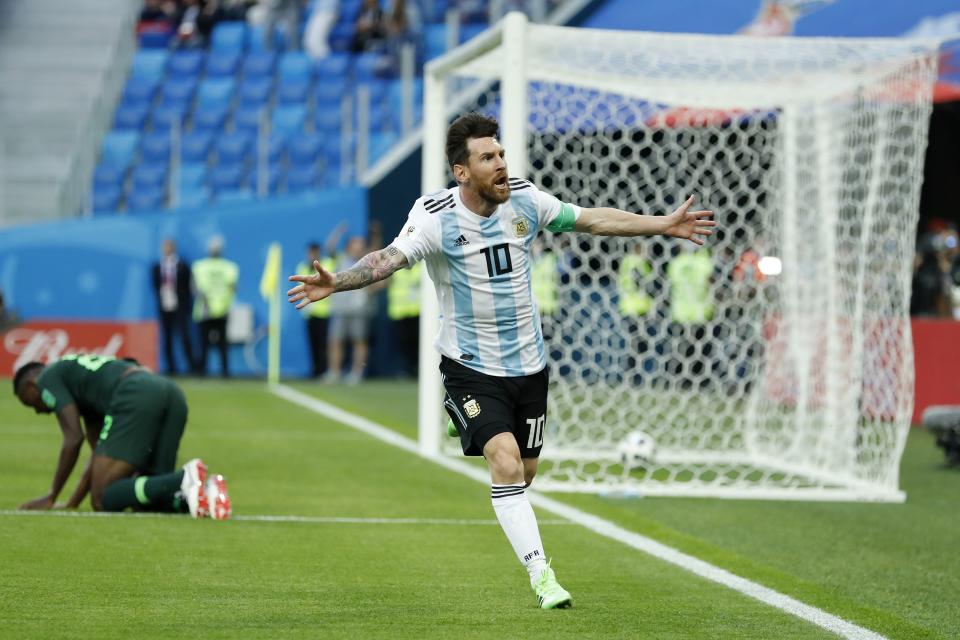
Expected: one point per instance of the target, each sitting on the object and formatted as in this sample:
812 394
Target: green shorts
144 423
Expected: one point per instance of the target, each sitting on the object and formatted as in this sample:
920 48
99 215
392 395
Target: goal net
775 362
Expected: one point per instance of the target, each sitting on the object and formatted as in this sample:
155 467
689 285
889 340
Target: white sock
518 521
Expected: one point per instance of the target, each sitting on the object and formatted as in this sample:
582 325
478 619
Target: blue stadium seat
256 91
166 116
327 119
248 117
216 92
276 175
149 64
258 64
276 147
379 145
195 146
193 197
210 118
223 64
106 198
119 148
288 118
306 149
293 91
334 66
178 90
154 39
330 91
107 175
341 36
155 147
149 174
228 176
368 66
437 11
236 147
295 65
471 30
131 115
229 36
147 199
186 63
302 178
140 89
227 196
192 175
434 40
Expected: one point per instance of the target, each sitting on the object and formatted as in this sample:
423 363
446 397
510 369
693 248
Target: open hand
312 288
42 503
690 225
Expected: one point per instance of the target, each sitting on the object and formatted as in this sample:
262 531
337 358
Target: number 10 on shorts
536 431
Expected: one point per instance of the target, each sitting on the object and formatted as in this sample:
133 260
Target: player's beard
492 193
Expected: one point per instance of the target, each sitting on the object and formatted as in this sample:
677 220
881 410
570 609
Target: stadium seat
434 40
178 90
149 39
119 148
471 30
248 118
294 65
131 115
149 174
147 199
195 146
275 179
210 118
140 90
258 64
379 145
229 36
226 176
149 64
155 147
106 198
288 119
330 91
166 116
223 64
341 36
257 38
235 148
327 119
226 196
302 178
107 175
192 174
276 147
256 91
216 92
186 63
367 66
293 92
306 149
193 197
334 66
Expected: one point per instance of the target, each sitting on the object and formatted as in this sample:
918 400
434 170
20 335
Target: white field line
272 518
598 525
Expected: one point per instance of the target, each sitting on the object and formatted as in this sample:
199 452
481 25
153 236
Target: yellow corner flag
270 290
270 280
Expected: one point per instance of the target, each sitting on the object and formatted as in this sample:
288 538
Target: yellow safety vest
403 296
690 298
634 301
216 282
319 309
544 275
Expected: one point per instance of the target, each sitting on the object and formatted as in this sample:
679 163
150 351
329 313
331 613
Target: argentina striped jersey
481 270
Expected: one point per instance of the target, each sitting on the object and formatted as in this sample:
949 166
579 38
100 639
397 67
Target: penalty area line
272 518
785 603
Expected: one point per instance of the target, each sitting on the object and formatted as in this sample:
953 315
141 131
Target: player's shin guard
518 521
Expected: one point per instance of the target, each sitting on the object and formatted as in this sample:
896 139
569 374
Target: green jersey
84 379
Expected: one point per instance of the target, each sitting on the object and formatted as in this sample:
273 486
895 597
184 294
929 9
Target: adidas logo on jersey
461 241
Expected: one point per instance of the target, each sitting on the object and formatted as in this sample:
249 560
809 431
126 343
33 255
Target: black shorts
482 406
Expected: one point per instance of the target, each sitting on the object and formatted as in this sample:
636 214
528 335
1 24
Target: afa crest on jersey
472 407
520 228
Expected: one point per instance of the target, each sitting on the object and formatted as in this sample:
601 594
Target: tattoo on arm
371 268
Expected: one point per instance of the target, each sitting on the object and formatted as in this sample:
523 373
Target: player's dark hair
467 126
23 372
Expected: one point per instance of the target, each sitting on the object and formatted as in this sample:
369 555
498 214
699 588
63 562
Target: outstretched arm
69 419
371 268
605 221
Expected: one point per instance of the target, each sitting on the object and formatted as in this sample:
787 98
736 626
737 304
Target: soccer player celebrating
475 239
134 420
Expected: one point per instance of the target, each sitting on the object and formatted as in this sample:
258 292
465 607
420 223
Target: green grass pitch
447 571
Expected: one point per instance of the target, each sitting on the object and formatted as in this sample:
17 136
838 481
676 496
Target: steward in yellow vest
403 308
318 313
633 278
215 282
690 297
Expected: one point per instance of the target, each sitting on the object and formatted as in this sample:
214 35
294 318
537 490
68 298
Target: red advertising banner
49 340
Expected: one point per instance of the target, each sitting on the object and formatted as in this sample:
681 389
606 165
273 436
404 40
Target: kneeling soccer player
133 420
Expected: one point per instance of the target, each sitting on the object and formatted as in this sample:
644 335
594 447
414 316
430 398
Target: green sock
146 493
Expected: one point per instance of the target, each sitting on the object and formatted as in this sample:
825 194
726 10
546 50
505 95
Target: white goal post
777 362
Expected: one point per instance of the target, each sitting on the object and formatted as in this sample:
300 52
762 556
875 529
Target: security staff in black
133 421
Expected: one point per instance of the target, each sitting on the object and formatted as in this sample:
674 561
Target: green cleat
549 593
451 429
